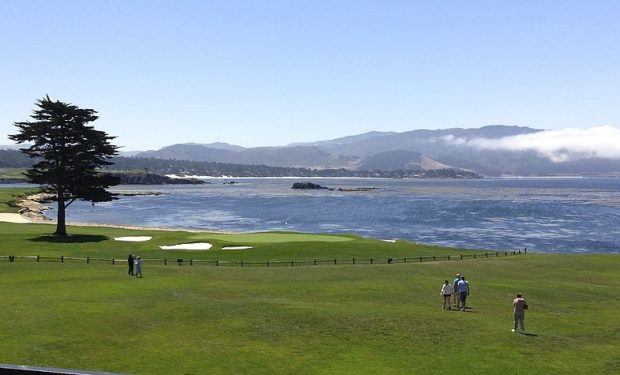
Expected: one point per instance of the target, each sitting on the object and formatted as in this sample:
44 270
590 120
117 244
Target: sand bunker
14 218
133 238
391 241
188 246
236 247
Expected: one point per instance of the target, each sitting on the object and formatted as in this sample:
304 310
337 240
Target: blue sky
266 73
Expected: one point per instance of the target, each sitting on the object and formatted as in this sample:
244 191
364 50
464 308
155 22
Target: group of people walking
137 262
459 290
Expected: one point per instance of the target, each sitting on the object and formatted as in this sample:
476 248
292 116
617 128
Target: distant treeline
16 159
152 179
201 168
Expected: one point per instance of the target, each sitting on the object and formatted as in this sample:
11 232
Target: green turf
10 196
98 242
13 173
271 237
331 319
328 319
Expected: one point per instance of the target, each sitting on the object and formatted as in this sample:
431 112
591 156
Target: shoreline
36 211
34 206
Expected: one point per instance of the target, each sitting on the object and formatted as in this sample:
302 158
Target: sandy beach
14 218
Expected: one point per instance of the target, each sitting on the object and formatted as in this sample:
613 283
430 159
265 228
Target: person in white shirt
446 292
518 308
463 289
138 262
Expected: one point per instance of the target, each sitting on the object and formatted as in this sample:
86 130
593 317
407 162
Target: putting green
271 237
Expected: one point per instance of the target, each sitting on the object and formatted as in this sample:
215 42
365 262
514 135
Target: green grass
344 319
98 242
10 196
12 173
329 319
271 237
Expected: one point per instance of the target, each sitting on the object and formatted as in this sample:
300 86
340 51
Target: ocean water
545 215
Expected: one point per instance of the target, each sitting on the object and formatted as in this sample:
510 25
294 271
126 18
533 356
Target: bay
544 215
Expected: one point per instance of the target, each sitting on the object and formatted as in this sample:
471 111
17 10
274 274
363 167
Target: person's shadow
529 334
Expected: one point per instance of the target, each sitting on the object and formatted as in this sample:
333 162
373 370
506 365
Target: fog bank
557 145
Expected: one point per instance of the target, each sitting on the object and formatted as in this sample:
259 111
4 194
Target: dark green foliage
154 179
216 169
205 168
69 154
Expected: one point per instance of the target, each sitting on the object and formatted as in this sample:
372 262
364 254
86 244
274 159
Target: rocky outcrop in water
308 186
312 186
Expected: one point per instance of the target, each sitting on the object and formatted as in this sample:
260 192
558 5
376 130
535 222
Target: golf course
295 303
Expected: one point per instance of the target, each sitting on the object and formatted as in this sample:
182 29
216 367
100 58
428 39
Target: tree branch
71 201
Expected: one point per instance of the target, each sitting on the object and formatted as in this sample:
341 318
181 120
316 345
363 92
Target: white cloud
558 145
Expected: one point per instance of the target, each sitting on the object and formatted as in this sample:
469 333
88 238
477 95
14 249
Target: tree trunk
61 229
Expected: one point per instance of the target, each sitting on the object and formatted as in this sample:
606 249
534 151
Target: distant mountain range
417 150
387 151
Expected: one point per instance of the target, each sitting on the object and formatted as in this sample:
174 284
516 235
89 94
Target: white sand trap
188 246
133 238
390 241
236 247
14 218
